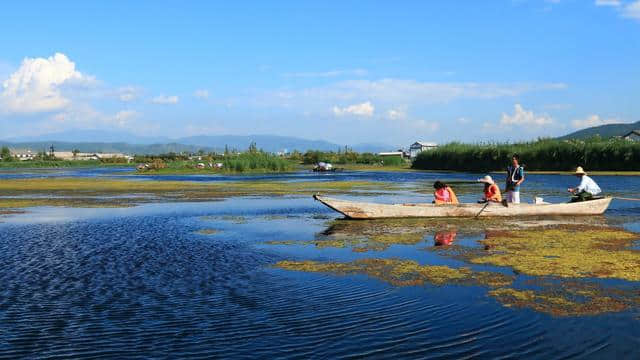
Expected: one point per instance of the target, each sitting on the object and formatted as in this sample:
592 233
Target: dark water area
199 280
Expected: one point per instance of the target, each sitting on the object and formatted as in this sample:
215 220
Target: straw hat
580 171
486 179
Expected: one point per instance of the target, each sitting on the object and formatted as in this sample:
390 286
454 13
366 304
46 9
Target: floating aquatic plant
207 232
564 252
557 305
401 272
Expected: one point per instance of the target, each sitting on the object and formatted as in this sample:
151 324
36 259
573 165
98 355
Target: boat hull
363 210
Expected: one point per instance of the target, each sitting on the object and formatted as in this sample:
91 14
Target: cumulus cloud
614 3
521 116
365 109
632 10
593 120
37 85
201 93
165 100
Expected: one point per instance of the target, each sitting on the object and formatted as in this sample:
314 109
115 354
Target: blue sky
344 71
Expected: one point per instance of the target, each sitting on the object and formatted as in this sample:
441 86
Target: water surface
198 280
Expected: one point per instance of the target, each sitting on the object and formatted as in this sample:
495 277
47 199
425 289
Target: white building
632 135
22 155
420 146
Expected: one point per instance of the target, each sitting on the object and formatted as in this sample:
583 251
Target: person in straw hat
587 188
491 190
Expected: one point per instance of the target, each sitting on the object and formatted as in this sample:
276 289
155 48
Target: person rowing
443 194
587 188
491 190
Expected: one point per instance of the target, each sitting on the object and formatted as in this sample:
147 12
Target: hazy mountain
604 131
113 141
271 143
92 136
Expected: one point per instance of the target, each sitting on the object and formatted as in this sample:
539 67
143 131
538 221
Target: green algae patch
77 202
76 192
207 232
557 305
399 272
564 252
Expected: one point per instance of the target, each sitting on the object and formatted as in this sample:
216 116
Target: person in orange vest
444 194
491 190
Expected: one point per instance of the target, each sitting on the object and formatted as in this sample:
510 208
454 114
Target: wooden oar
481 210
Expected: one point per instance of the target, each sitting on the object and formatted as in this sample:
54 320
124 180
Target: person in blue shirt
515 177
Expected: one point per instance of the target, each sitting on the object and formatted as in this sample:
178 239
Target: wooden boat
363 210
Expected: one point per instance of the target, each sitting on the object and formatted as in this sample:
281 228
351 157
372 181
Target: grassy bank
252 162
29 164
544 155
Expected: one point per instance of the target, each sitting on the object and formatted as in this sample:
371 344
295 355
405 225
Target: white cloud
614 3
632 10
365 109
128 93
525 117
326 74
593 120
37 85
165 100
201 93
397 114
463 120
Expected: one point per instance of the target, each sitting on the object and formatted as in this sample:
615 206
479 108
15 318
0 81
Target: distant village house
420 146
633 135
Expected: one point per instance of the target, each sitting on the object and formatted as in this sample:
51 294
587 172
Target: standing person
587 188
515 177
491 190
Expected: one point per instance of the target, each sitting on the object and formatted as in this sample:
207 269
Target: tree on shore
5 154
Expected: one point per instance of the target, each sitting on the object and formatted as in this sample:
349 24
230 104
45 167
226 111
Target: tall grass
544 154
256 161
350 157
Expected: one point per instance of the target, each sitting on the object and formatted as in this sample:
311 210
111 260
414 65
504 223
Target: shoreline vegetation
547 155
544 156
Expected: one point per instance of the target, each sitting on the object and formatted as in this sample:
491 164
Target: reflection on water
444 238
283 278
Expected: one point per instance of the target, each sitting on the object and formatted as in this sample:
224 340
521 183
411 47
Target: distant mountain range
109 141
604 131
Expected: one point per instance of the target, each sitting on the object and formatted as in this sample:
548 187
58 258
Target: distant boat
364 210
324 167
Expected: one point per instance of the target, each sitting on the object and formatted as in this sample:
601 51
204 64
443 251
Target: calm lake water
197 280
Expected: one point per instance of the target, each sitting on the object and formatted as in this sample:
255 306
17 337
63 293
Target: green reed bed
543 154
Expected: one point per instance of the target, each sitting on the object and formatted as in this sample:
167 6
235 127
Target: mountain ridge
604 131
123 142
